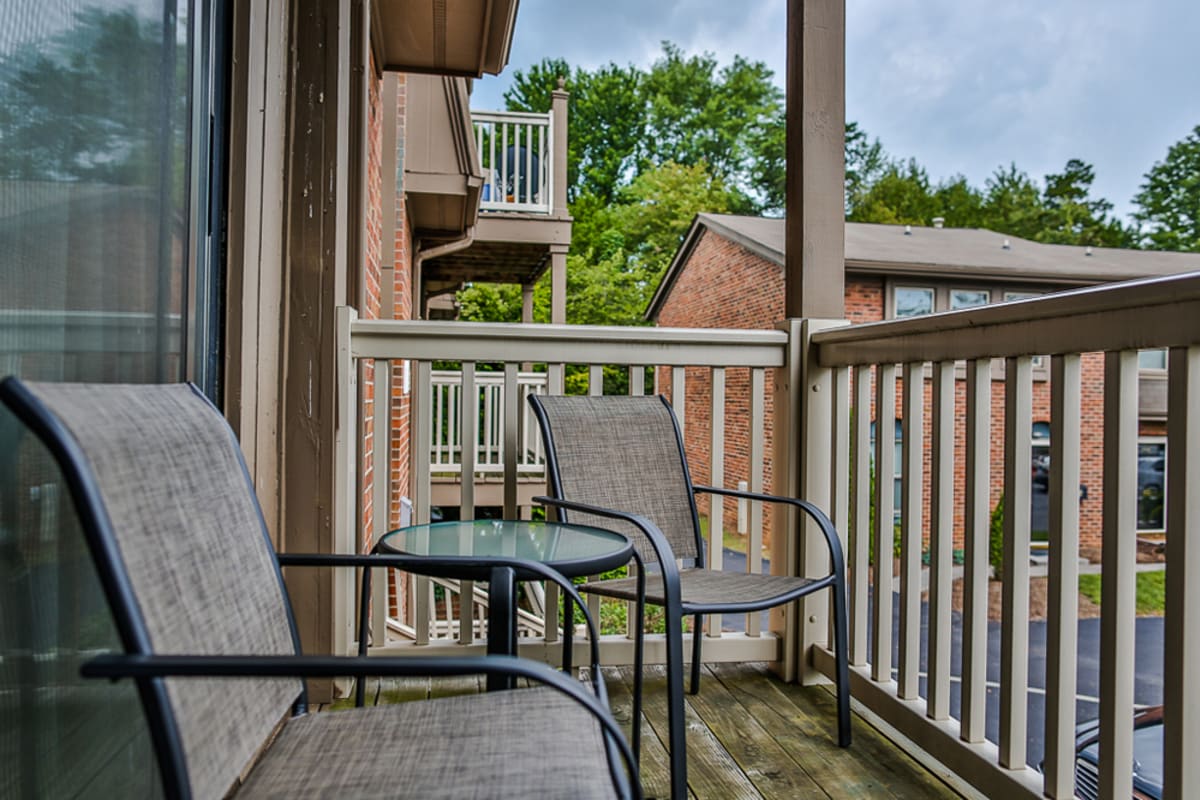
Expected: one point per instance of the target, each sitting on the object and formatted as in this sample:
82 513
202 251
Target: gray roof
945 252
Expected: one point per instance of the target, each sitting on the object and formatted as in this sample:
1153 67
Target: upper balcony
486 189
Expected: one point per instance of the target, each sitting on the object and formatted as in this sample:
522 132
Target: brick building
728 273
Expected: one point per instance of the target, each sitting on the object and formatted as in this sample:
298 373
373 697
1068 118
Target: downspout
423 254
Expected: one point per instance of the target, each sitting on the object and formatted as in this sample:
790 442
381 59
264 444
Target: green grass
1151 591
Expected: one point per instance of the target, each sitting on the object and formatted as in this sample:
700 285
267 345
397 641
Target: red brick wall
371 300
725 285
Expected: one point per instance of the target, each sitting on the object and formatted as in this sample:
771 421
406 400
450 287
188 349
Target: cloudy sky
963 86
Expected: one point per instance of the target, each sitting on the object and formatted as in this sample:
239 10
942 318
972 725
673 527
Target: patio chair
196 590
619 462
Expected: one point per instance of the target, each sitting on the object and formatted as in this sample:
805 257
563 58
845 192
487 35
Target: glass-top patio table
479 549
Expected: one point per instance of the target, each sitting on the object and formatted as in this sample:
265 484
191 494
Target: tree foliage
1168 205
649 148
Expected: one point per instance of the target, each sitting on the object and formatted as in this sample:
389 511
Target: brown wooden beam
814 267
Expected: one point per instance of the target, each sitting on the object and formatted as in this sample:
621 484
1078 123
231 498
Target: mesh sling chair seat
618 462
179 543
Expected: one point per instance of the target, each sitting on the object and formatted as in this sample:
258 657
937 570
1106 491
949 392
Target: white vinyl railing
681 358
88 345
515 154
866 368
446 433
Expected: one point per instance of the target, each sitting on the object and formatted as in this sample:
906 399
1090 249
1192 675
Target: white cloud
961 85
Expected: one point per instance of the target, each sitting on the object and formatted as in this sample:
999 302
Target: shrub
996 538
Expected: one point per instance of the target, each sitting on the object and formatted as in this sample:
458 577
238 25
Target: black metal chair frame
148 669
675 609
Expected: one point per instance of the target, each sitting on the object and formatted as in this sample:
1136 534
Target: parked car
1041 473
1147 756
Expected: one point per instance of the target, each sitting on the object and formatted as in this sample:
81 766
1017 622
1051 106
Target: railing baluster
911 511
679 395
510 400
637 381
1118 540
976 521
543 189
860 536
528 163
422 424
1063 584
382 491
716 505
504 176
941 540
1014 623
595 380
1181 691
469 437
840 463
757 436
885 456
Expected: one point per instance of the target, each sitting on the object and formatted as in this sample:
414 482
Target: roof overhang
442 179
467 38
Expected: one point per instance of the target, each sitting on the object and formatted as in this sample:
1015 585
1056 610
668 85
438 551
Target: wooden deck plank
712 771
748 734
654 766
871 767
763 755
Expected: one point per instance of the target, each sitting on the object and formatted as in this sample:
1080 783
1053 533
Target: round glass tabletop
572 550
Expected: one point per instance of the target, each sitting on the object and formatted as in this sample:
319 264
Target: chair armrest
658 541
437 565
837 560
116 666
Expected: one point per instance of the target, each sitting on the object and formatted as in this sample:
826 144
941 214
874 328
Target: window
1152 359
1020 295
1151 484
897 464
969 298
913 302
109 111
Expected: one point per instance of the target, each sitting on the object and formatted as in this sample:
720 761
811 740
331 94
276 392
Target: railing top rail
570 344
1144 313
510 116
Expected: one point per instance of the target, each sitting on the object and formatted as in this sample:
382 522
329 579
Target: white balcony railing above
446 443
517 159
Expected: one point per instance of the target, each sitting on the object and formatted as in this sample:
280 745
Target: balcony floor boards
749 736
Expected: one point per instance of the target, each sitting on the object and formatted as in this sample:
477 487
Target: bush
996 538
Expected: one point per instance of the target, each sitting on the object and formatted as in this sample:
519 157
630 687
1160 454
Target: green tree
1168 205
866 162
1012 203
1072 216
656 211
87 104
900 195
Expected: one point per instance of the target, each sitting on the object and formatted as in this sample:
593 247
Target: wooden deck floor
749 736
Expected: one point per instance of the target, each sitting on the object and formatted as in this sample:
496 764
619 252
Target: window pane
1152 475
1152 359
968 298
96 228
1020 295
94 219
912 302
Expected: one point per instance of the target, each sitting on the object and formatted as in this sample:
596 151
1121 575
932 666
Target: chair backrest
623 453
179 541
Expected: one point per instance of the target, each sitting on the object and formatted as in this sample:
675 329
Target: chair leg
697 638
841 659
639 660
675 713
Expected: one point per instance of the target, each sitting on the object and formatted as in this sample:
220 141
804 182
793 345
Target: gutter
423 254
